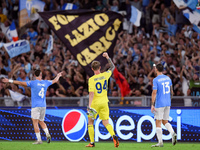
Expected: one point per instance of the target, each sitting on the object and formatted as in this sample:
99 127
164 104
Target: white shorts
38 113
162 113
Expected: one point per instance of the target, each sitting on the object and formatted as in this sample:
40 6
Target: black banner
86 33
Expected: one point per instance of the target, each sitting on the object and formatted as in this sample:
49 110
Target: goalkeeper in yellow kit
98 100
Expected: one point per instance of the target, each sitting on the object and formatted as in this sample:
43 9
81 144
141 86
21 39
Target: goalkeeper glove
91 112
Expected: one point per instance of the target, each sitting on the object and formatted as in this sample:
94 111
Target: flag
28 11
180 3
16 48
1 44
69 6
122 83
49 44
16 96
133 15
12 33
198 5
86 33
190 11
192 4
193 17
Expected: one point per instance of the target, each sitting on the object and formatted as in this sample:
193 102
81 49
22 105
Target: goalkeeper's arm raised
112 66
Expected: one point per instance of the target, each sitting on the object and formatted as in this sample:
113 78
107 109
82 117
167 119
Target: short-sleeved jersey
99 85
162 84
20 79
38 92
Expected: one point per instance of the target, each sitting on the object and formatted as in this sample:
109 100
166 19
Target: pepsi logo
74 125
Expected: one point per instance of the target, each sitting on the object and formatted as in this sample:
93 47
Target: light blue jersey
38 92
162 84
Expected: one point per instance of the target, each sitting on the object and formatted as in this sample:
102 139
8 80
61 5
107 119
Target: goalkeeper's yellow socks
110 129
91 133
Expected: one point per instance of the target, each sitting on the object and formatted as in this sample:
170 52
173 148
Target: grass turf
27 145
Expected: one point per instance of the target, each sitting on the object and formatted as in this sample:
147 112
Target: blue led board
130 124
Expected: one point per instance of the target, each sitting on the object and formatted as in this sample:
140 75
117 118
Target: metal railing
143 101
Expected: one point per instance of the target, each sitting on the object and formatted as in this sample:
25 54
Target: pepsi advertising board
70 124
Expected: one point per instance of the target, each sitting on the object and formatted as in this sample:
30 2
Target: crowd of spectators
164 36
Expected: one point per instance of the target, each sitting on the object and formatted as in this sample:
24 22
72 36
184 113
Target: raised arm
130 75
5 80
112 66
57 78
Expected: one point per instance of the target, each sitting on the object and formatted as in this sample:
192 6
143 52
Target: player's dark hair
95 65
159 67
37 73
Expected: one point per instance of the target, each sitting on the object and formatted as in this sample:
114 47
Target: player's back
99 84
38 92
163 96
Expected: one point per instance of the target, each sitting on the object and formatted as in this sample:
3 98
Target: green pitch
19 145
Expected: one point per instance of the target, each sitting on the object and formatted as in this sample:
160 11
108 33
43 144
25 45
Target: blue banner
69 6
16 48
130 124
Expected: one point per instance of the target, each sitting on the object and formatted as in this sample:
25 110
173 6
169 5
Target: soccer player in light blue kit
161 102
38 98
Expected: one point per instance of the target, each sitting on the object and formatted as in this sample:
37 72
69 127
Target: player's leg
159 116
91 132
35 118
104 116
37 131
171 130
108 127
168 125
111 131
43 124
159 132
45 129
91 127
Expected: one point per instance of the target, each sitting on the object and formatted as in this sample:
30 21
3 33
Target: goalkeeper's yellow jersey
99 85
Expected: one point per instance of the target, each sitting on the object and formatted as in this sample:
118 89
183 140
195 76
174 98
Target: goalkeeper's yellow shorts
102 111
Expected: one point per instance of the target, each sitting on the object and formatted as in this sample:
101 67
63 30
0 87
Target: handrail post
81 101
